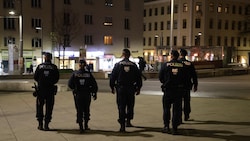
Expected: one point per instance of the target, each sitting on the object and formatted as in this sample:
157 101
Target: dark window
184 23
162 10
126 24
36 42
127 5
156 26
9 40
156 11
126 42
175 40
226 24
234 9
149 41
9 23
36 22
168 25
218 41
36 3
88 1
219 24
233 25
88 19
149 26
150 12
225 41
66 40
162 25
197 23
232 41
67 2
238 41
239 25
66 19
145 13
88 40
9 3
211 23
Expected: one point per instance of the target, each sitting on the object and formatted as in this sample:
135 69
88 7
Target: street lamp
40 28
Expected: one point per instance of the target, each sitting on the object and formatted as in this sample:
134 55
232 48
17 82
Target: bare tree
67 27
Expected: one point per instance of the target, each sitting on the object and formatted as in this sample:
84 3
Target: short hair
126 52
82 61
175 53
183 52
48 55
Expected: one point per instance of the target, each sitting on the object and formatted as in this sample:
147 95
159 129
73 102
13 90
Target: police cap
183 52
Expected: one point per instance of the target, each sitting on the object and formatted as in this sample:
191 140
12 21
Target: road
225 87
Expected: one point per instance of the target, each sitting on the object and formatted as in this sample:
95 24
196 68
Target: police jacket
172 74
46 75
191 73
125 73
82 81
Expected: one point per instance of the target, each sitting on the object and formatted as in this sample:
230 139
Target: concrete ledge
24 85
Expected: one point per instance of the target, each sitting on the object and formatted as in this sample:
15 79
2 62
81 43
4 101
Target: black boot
40 125
128 123
122 129
46 126
81 127
86 125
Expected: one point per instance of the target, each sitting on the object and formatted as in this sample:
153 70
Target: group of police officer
177 76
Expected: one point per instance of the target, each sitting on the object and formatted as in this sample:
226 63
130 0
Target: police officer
84 85
46 75
192 83
126 78
172 76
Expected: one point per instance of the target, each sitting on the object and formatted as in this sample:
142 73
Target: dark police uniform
46 75
172 76
192 81
84 85
126 78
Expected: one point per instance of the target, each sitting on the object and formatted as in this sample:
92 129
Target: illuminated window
108 21
198 6
226 9
108 40
219 10
185 7
109 3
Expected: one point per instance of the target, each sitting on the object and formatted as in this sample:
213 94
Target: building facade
71 29
209 29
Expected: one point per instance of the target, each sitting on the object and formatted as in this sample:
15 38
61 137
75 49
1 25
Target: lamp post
41 29
20 60
171 26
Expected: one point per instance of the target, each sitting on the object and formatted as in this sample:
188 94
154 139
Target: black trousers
82 104
186 103
125 102
172 97
47 98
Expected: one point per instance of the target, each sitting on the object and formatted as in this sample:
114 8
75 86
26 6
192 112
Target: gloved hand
94 95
